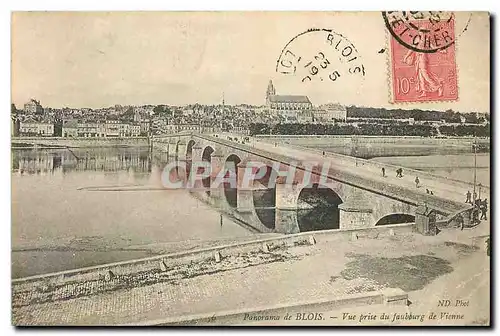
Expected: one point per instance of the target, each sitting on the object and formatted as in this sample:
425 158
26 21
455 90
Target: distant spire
271 91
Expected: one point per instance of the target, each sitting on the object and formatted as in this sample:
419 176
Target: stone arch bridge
341 192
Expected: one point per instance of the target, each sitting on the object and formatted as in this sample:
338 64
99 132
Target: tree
158 109
13 109
129 114
167 111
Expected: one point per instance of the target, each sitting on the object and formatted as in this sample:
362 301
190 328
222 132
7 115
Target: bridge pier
198 184
425 221
286 207
181 171
286 221
196 152
171 149
216 191
355 216
160 146
181 151
244 193
161 149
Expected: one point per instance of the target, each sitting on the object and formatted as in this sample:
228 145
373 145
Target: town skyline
102 59
393 108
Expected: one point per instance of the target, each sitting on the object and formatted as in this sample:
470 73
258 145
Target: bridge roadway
442 188
448 195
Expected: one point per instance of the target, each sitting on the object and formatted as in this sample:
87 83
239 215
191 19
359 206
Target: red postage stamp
423 61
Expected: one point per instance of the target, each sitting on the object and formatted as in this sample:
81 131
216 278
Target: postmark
320 55
425 32
423 65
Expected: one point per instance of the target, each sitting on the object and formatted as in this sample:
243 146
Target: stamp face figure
419 74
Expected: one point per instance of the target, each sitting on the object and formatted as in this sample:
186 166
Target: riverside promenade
330 274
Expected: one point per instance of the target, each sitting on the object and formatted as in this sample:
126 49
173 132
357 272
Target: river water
57 224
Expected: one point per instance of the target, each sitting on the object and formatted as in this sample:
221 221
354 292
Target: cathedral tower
270 91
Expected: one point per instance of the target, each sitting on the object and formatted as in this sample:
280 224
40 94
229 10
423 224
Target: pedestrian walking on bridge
461 222
475 215
484 209
399 172
383 172
417 182
468 195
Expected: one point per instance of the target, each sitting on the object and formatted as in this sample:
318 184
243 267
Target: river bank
416 264
60 142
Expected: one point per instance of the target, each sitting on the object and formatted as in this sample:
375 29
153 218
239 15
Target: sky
98 59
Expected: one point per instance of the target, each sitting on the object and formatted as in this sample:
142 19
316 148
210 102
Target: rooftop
289 99
335 106
70 123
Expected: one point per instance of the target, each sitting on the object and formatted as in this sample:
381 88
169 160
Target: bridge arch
317 208
206 156
264 197
231 191
395 218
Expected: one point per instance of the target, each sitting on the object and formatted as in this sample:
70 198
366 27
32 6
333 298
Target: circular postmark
422 31
320 55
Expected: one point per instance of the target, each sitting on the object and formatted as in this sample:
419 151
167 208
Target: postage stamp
422 57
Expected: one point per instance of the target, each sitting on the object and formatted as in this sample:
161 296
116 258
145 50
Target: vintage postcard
250 168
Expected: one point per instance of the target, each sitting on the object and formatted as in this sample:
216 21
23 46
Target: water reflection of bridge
98 160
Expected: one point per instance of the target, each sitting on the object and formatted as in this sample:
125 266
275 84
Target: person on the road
417 182
383 172
399 172
475 215
484 209
468 195
461 222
